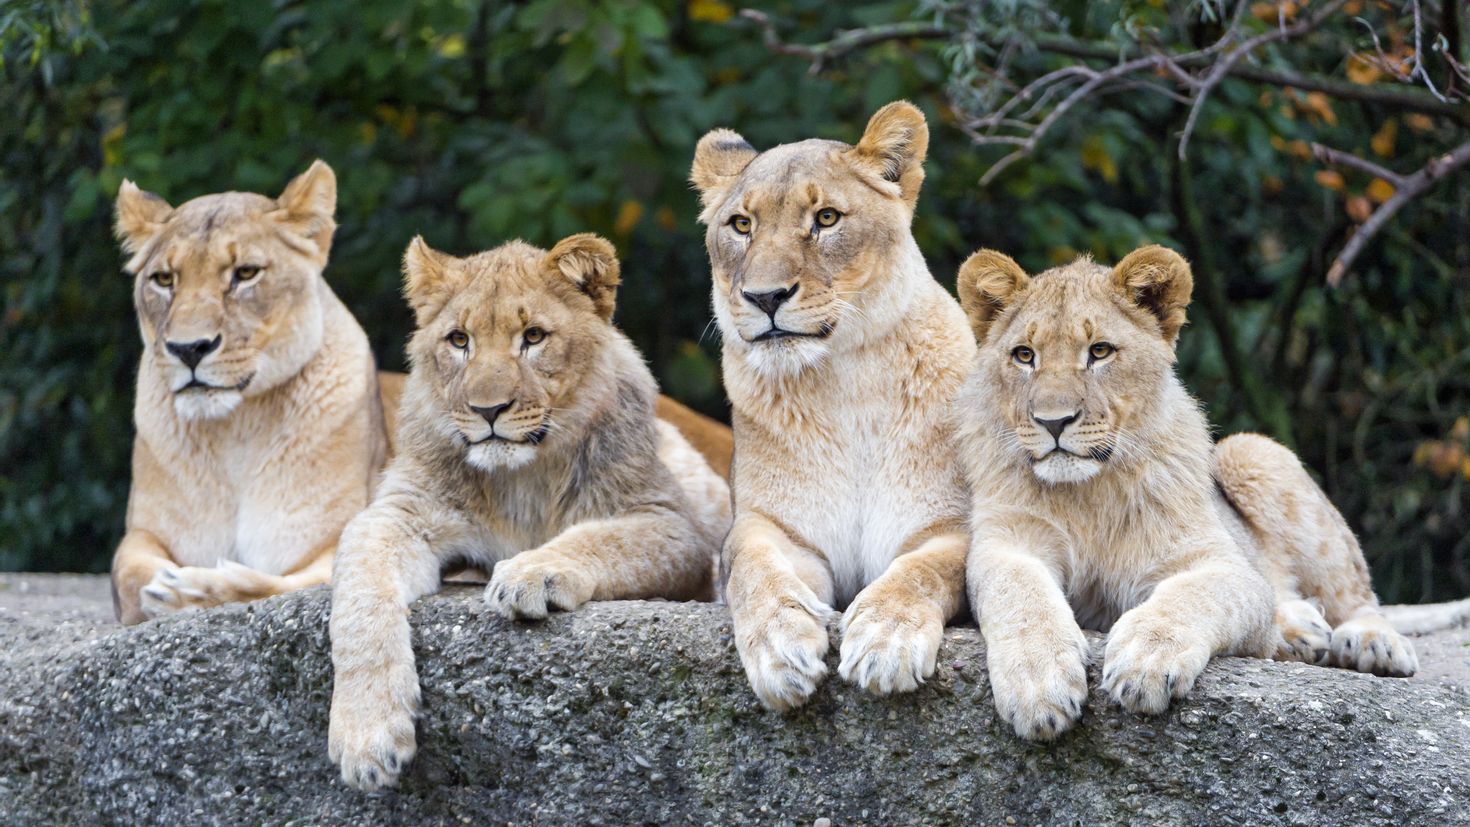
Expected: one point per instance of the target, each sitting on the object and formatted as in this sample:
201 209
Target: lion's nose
192 353
770 300
1056 426
490 412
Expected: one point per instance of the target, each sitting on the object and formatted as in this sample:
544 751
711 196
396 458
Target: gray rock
633 713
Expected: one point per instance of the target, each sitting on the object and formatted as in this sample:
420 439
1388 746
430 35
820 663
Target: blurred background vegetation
473 122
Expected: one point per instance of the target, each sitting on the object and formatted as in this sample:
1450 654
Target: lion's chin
198 404
1058 468
788 356
500 455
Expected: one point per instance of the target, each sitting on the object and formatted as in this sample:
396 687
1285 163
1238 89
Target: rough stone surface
633 713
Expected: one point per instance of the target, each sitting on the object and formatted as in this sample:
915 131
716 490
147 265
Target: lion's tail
1428 617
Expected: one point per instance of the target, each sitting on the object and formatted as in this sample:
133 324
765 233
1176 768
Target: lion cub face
506 337
226 287
799 235
1076 355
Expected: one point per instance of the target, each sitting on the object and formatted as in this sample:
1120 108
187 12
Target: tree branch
1328 155
1407 189
845 41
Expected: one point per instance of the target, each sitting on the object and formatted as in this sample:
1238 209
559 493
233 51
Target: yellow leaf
1362 68
1380 190
1419 123
1061 255
1321 106
1359 208
1460 431
1095 157
112 145
628 215
1272 184
452 46
710 11
1329 179
1300 150
666 219
1383 139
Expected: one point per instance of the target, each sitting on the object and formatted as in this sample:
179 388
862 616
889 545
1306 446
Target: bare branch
1328 155
1409 187
818 54
1227 62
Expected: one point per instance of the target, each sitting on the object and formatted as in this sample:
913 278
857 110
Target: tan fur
1127 532
714 440
846 496
240 489
572 490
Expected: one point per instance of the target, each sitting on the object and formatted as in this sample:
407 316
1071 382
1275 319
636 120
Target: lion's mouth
195 384
533 438
1100 453
777 333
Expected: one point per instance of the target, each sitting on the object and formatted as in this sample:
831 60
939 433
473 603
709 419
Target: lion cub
841 357
1100 499
260 428
527 440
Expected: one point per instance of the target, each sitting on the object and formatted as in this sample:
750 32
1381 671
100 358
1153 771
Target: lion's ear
429 279
893 147
1158 280
719 159
988 283
309 203
590 262
139 215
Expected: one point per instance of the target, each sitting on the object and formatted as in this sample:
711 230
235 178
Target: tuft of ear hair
1158 280
719 158
429 279
309 203
590 262
893 148
988 283
139 216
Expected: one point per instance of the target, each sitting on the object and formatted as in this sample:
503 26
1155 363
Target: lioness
527 441
841 357
260 428
1100 499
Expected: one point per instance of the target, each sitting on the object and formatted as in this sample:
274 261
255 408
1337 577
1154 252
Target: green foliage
474 122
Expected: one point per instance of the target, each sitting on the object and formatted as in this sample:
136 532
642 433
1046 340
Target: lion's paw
1040 682
784 649
1370 644
176 589
1148 662
370 734
887 647
528 586
1303 634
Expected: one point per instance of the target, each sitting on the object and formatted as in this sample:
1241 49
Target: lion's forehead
1072 306
508 302
792 176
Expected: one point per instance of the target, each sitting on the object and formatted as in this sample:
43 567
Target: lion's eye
1100 350
827 217
459 339
163 278
534 336
1023 355
741 224
246 273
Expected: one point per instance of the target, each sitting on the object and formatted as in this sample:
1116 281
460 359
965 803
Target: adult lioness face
226 287
1077 357
506 337
799 235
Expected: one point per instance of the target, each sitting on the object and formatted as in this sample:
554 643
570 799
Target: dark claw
392 762
372 777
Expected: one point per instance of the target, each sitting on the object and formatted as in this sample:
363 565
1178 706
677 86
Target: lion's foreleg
780 596
384 563
1218 604
647 553
892 630
138 559
1035 652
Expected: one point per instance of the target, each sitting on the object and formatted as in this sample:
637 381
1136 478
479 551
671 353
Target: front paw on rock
886 650
784 654
1143 672
529 591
